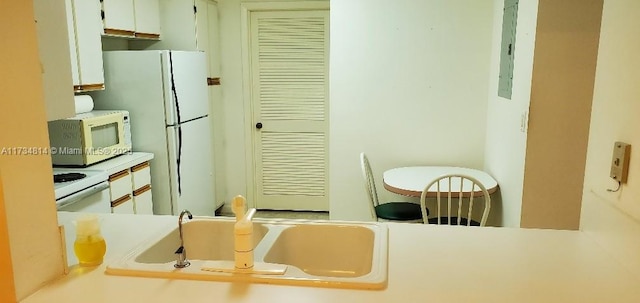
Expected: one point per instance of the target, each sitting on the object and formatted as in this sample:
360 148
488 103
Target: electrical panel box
620 161
507 48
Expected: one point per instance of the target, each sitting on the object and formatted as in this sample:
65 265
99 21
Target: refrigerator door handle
173 89
178 158
177 104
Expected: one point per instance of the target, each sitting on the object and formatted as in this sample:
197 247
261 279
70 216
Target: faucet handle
238 206
181 261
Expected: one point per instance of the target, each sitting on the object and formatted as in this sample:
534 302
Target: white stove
75 185
75 180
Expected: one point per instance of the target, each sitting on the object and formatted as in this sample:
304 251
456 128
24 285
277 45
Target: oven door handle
73 198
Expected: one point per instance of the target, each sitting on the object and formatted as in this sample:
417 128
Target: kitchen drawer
141 175
120 185
123 205
142 201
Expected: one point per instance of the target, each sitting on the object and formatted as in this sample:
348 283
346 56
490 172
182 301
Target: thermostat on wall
620 161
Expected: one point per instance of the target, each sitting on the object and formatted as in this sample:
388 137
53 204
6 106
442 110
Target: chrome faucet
181 252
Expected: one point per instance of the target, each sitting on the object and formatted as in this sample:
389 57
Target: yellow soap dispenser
89 246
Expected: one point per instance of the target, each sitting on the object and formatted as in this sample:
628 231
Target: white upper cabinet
54 52
118 17
202 26
71 56
177 19
131 18
147 15
188 25
88 45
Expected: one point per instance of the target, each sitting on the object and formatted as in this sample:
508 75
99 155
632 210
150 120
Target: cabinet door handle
142 190
118 175
140 166
121 200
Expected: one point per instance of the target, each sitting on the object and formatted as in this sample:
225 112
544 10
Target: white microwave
90 137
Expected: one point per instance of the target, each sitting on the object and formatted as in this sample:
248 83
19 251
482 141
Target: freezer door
191 169
185 86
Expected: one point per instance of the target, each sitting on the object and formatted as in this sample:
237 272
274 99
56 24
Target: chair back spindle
469 193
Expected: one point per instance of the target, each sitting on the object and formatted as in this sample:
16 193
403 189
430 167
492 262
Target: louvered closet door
290 85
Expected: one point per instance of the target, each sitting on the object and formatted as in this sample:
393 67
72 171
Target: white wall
232 99
506 141
613 218
403 64
408 86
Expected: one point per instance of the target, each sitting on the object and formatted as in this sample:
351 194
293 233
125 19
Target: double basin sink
313 253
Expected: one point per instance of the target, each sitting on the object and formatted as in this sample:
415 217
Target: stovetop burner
67 181
66 177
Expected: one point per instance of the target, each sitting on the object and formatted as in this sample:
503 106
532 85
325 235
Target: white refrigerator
166 95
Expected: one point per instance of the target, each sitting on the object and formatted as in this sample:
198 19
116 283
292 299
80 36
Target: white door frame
245 18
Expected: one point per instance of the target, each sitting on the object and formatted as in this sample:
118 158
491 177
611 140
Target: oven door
94 199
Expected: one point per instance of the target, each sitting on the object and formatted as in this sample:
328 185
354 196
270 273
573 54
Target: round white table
411 180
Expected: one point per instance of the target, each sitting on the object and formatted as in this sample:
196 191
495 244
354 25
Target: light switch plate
620 162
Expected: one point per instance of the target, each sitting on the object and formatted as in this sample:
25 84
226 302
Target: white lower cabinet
142 201
141 176
129 183
123 205
130 190
120 185
141 185
120 193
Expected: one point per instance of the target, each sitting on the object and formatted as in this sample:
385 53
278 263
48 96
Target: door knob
259 125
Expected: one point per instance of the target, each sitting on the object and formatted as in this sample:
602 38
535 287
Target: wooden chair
459 194
392 211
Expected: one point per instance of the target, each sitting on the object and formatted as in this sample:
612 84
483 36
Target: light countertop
426 264
122 162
